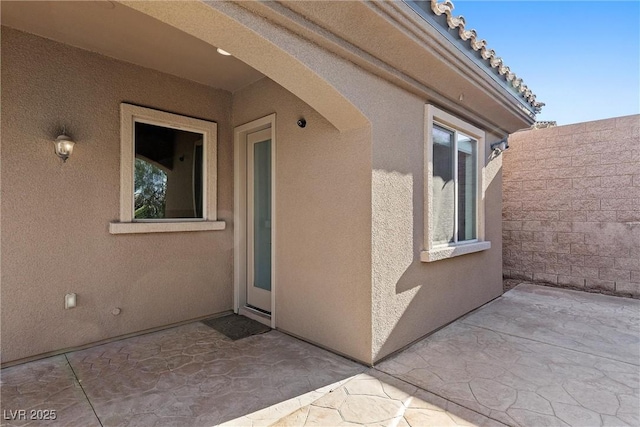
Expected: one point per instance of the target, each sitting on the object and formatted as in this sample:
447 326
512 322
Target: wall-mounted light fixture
500 146
63 145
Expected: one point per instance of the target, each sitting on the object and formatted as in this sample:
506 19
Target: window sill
164 227
453 251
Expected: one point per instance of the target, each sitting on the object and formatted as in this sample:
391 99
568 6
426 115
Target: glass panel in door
262 214
259 197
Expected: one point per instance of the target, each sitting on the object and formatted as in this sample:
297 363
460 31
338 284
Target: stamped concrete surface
48 393
191 375
537 356
377 399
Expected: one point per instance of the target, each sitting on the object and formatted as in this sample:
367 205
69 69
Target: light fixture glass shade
223 52
63 146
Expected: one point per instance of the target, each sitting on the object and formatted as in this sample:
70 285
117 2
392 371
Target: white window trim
433 252
130 114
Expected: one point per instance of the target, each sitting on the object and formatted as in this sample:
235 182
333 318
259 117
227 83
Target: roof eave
439 16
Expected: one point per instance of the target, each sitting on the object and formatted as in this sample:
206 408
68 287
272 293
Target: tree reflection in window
168 173
150 190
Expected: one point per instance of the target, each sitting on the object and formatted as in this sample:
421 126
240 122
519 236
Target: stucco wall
407 299
323 203
572 205
349 204
55 216
412 298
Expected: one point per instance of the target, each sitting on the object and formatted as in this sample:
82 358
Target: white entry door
259 200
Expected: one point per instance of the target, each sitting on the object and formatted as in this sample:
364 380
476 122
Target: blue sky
581 58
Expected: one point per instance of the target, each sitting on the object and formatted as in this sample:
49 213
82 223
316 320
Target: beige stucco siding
412 298
349 193
408 298
323 203
55 216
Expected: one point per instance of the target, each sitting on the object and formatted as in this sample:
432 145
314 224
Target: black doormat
236 327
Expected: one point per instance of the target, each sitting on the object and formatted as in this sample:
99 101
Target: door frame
240 217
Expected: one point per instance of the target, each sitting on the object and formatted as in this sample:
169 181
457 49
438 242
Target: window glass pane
467 177
443 186
168 173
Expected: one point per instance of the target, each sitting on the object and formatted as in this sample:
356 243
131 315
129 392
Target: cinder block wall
571 205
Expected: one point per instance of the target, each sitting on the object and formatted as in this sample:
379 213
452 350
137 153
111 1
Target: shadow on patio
188 375
536 356
194 376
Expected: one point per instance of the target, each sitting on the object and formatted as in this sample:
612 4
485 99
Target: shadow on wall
431 295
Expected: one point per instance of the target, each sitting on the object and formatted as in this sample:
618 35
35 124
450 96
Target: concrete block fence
571 205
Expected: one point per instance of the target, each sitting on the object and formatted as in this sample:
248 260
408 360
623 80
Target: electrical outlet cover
69 301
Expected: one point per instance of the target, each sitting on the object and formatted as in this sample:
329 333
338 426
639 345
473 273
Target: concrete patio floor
536 356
